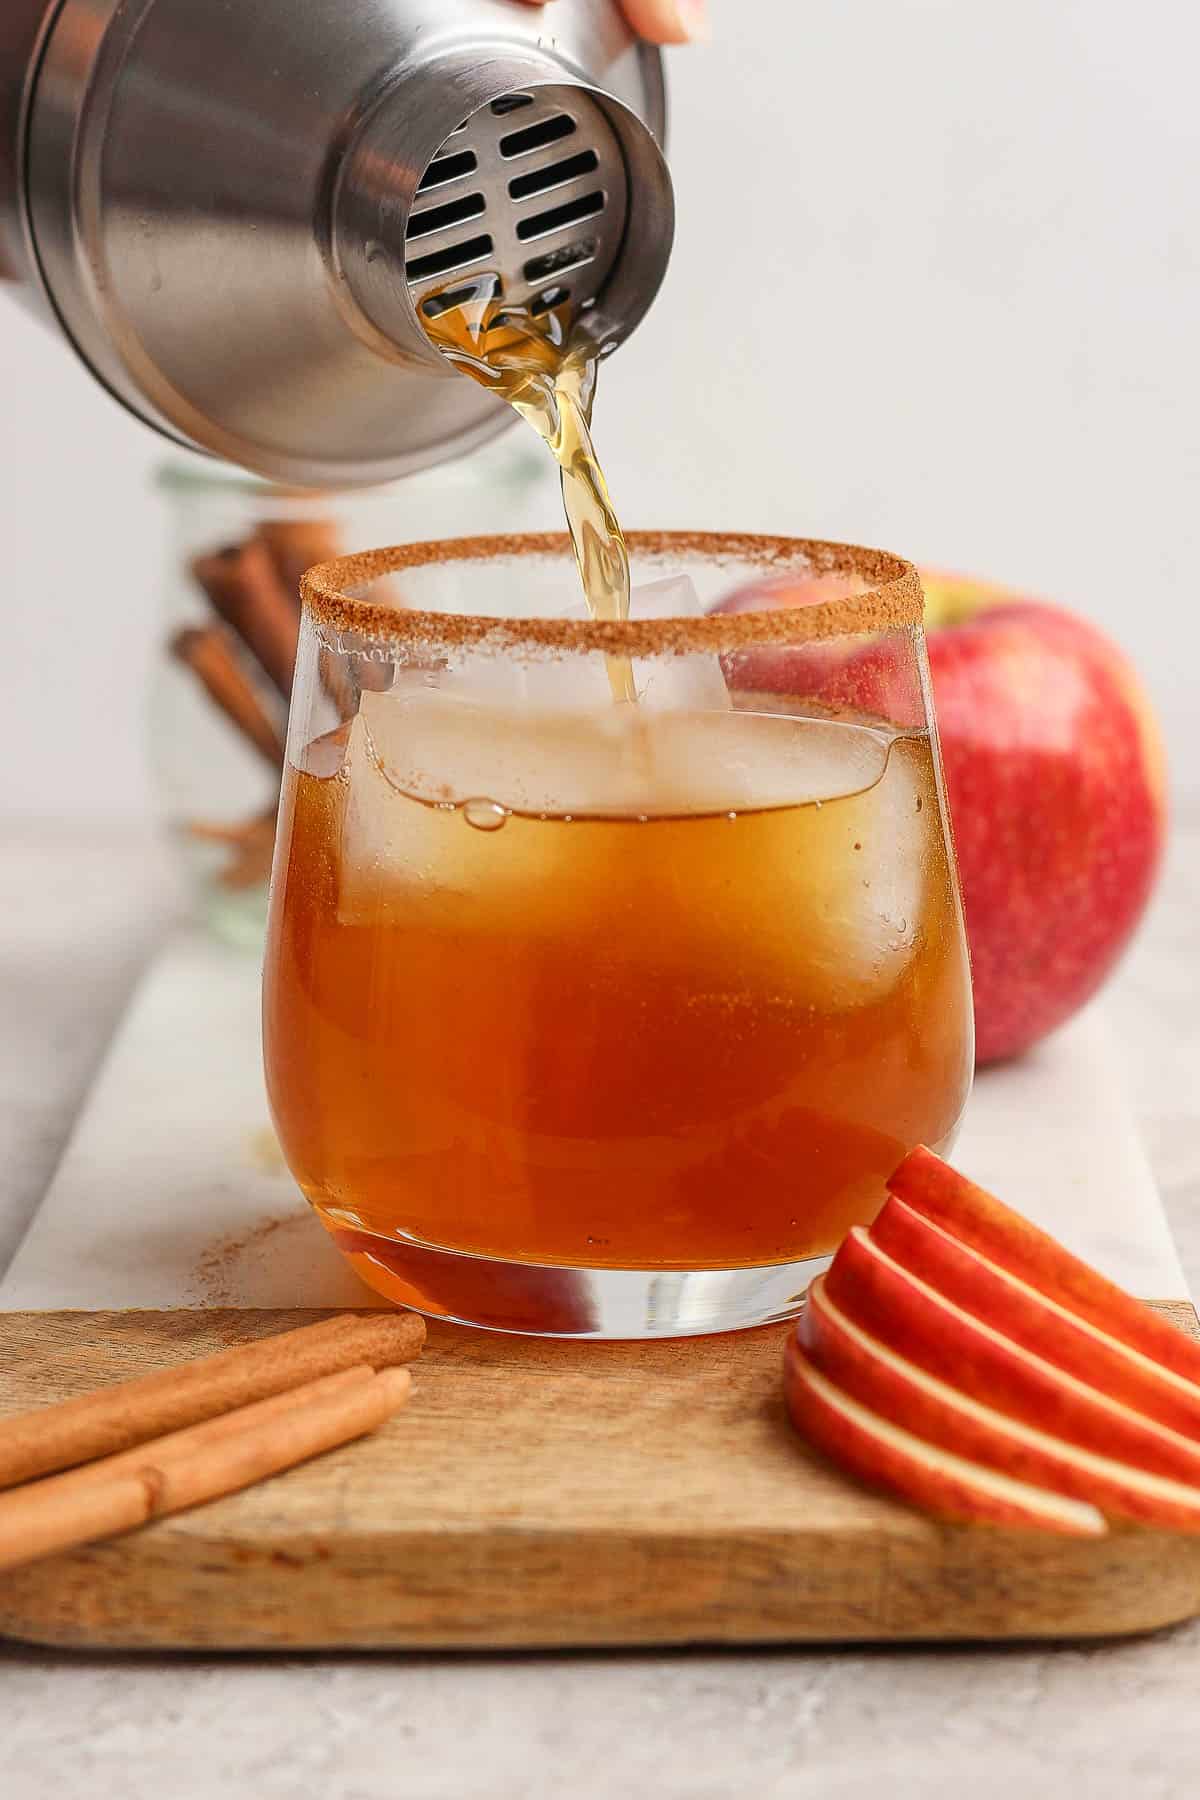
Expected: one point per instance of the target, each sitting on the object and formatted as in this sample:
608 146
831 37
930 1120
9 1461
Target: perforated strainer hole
538 181
440 218
536 137
444 262
448 168
541 224
542 174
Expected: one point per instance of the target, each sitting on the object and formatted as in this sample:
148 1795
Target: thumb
665 21
669 21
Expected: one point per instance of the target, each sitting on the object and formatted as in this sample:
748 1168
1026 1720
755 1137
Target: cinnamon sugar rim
892 598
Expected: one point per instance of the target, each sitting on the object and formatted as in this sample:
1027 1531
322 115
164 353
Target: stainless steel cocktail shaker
233 207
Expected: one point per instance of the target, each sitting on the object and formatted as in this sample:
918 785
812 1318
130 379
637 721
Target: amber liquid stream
547 373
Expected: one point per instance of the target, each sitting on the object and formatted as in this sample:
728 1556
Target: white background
936 286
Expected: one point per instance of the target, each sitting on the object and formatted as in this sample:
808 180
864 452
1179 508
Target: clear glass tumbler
600 1018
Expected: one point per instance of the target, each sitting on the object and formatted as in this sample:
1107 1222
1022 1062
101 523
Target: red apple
903 1393
884 1455
1054 772
978 1357
1026 1316
924 1364
1012 1242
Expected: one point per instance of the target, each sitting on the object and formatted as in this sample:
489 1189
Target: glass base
549 1300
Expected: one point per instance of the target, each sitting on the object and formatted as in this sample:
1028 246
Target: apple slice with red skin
976 1218
1034 1321
878 1378
916 1322
884 1455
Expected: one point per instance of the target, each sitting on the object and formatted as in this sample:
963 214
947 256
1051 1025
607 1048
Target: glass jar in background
236 548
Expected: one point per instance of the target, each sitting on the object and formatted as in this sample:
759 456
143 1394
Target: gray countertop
79 915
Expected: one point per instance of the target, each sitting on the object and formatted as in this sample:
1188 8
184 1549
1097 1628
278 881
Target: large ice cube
670 597
426 844
543 682
550 682
694 683
823 902
844 899
445 747
663 683
704 762
386 839
612 761
676 683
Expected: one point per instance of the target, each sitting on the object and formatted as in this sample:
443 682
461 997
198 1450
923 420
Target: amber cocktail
605 1018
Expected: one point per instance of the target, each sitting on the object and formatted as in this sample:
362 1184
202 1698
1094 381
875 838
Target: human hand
665 21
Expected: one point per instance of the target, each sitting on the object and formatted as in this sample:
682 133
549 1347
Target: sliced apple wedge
975 1217
899 1391
884 1455
1033 1320
917 1322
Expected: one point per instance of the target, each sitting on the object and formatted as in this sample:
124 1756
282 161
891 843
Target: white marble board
172 1194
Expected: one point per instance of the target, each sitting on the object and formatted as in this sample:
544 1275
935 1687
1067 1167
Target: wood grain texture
552 1494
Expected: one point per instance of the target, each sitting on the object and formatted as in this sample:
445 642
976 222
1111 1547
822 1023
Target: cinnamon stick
251 865
203 650
244 589
115 1418
252 842
199 1437
297 544
59 1514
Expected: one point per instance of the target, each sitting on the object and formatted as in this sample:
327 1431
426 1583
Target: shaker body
224 207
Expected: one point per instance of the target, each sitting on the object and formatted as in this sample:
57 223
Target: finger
669 21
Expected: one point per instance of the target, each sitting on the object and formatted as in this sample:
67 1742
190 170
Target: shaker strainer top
532 190
236 212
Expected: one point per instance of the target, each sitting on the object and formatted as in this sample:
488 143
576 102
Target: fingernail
694 21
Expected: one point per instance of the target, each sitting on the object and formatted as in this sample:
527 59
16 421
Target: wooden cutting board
538 1494
530 1493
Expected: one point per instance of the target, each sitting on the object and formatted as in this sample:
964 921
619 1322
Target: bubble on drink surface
484 815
